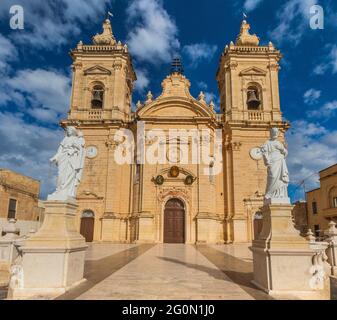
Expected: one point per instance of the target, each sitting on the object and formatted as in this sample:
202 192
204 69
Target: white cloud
202 85
44 94
250 5
311 148
8 53
329 63
293 21
320 69
143 80
327 111
153 35
50 24
311 96
199 51
26 148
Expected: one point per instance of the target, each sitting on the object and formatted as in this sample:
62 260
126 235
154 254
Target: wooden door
87 228
174 222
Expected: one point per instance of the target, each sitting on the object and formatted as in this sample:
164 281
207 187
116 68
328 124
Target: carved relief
174 193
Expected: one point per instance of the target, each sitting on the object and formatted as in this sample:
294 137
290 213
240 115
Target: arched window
253 98
333 197
97 97
88 214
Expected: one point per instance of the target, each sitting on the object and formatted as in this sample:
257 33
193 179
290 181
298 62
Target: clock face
256 154
91 152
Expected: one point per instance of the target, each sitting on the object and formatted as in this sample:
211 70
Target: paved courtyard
167 271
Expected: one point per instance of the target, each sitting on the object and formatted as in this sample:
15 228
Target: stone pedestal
285 262
53 258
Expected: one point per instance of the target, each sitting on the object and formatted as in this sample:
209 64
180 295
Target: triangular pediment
253 71
97 70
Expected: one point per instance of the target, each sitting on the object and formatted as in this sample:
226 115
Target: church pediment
253 71
97 70
175 108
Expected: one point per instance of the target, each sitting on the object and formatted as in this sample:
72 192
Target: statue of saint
274 153
70 162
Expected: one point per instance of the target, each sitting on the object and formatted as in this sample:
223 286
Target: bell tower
102 86
103 79
249 95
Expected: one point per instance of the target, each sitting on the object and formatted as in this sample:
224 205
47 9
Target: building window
97 97
11 209
316 230
253 98
314 207
334 202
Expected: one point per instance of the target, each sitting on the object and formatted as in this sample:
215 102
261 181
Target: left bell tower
102 85
103 78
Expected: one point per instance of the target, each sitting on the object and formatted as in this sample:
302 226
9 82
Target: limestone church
173 202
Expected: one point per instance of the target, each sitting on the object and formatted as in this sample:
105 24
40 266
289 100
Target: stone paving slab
97 251
168 272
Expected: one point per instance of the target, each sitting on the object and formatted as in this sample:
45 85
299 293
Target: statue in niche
70 162
274 153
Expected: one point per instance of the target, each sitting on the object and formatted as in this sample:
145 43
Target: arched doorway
174 221
87 225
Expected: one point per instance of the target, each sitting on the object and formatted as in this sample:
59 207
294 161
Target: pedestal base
283 260
53 258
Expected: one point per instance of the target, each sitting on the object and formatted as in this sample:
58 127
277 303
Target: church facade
173 201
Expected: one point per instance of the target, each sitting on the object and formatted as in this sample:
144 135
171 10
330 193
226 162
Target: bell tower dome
103 78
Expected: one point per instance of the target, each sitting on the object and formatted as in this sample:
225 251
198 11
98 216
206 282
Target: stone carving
201 97
70 162
105 38
16 274
246 39
149 97
319 264
274 154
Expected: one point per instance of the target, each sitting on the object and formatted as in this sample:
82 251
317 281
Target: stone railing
255 115
219 117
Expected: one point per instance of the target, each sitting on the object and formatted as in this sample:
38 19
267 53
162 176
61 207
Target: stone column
53 258
285 262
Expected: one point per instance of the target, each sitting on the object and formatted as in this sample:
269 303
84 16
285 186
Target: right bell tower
250 104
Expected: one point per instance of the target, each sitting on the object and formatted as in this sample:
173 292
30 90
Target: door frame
88 214
186 222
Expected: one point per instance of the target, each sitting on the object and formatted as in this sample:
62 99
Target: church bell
253 101
97 99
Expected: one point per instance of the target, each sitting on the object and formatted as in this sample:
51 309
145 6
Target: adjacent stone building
322 202
19 196
173 201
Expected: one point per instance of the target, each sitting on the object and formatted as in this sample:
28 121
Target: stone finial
10 230
138 104
201 97
212 105
310 236
332 231
245 38
149 97
106 37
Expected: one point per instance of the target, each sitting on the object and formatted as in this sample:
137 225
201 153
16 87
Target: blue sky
36 76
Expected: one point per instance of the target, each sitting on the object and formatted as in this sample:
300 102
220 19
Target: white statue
274 153
70 161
